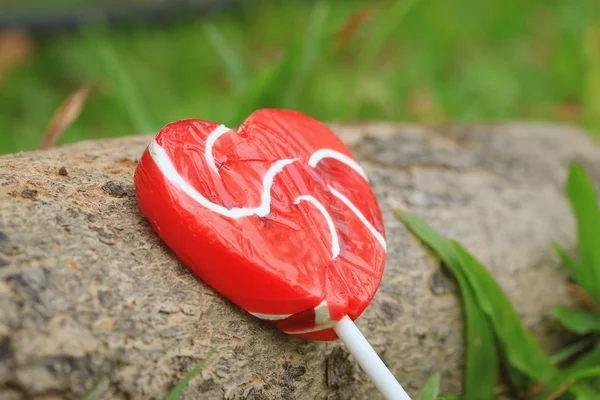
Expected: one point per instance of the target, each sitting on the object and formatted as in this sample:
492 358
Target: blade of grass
590 359
178 390
351 26
522 350
431 388
233 64
584 203
570 351
583 297
124 88
98 388
256 94
265 89
559 386
584 391
591 87
312 46
481 350
568 261
578 321
386 25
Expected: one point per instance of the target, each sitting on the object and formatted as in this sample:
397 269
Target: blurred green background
431 61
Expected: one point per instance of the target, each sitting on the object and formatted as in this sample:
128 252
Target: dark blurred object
54 17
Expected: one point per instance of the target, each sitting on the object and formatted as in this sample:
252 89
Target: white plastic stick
368 359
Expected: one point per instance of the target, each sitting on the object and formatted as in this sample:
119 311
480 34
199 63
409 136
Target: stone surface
91 298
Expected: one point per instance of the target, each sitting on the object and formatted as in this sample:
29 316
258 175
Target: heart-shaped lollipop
277 216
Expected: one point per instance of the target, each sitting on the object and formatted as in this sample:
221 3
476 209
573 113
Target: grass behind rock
410 60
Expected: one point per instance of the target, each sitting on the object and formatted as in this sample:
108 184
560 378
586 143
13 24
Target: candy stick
368 359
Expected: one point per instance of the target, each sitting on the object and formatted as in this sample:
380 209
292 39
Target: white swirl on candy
335 242
328 153
210 142
165 165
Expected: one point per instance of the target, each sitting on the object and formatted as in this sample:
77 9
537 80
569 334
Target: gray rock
92 300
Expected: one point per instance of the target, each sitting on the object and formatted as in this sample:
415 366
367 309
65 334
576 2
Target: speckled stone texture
90 297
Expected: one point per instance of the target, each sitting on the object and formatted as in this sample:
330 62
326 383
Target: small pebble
29 193
63 171
168 308
114 189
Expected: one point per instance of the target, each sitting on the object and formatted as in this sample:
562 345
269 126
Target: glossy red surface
284 260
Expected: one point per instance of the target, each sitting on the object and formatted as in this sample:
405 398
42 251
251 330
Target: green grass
431 388
584 203
417 60
178 390
496 338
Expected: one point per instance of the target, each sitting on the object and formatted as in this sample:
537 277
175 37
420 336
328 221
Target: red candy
277 216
